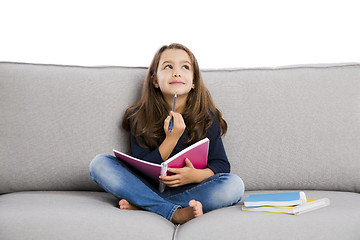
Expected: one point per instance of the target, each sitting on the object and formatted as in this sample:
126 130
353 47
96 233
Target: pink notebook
197 153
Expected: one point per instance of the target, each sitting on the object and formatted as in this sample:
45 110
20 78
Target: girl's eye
186 67
168 67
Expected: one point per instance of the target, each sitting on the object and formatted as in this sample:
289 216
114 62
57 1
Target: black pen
173 109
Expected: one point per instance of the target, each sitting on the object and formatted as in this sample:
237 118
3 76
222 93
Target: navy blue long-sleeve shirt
217 159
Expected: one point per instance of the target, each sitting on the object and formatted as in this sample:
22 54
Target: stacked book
287 202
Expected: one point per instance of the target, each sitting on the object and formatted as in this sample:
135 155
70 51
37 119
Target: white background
221 34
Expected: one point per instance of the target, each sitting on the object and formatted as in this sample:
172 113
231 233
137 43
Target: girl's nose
176 74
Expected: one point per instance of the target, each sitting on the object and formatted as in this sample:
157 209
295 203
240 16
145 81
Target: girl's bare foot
182 215
124 204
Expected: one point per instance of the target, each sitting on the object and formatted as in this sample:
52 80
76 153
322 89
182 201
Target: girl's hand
178 125
182 176
171 138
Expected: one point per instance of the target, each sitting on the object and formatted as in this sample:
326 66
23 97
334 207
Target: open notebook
197 153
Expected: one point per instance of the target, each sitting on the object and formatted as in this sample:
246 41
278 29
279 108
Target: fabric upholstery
76 215
290 128
340 220
95 215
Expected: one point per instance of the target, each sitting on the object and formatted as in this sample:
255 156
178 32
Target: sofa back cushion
55 119
292 127
289 128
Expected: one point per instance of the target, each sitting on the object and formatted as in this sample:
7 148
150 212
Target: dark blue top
217 159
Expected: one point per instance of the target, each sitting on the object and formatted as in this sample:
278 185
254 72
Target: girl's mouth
176 82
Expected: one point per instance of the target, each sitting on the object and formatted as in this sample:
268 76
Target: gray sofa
290 128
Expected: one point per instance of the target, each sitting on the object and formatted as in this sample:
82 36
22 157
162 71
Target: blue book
276 199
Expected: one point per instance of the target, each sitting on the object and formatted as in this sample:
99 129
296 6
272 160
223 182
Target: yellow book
310 205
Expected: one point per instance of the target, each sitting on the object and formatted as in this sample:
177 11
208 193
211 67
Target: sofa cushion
340 220
292 127
76 215
55 119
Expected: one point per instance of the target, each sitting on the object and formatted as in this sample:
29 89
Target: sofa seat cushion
340 220
75 215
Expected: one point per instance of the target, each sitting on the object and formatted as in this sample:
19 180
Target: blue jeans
118 179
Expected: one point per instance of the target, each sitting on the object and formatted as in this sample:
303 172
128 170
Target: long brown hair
148 114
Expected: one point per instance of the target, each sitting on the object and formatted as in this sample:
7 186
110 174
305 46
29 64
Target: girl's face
174 74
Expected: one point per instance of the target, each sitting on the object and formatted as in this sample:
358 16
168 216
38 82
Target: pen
173 109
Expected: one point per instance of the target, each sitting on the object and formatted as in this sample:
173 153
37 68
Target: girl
190 192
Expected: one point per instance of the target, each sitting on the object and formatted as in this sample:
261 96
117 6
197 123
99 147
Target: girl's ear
193 86
156 85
